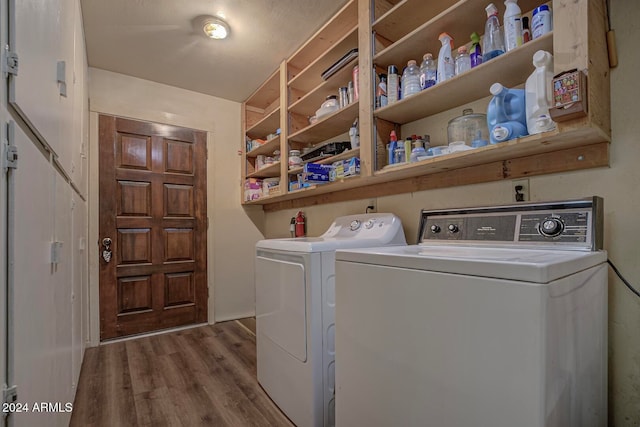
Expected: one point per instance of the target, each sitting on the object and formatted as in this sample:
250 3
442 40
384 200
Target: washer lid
537 266
352 231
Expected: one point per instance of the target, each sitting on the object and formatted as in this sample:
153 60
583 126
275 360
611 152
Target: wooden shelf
459 21
408 15
329 126
311 101
326 37
267 125
328 160
310 77
510 69
267 148
266 94
271 171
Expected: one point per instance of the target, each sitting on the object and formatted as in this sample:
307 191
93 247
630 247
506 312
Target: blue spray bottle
393 144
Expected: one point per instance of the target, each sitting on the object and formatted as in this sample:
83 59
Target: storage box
316 173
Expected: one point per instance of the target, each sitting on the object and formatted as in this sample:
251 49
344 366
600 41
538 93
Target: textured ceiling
156 40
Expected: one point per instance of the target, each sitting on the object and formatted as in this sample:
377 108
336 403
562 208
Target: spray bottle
446 67
393 144
512 25
476 50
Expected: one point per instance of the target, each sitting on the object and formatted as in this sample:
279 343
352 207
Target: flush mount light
215 28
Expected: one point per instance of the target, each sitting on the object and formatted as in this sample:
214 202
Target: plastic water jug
539 94
506 114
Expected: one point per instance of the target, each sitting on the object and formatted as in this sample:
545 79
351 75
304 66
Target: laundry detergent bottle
446 67
506 114
539 94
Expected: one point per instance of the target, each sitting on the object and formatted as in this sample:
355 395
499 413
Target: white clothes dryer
295 312
498 318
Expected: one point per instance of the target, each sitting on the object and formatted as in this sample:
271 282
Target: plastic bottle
512 25
399 153
526 33
463 61
476 50
393 144
381 92
392 84
408 145
541 22
428 71
506 114
411 79
492 43
446 68
417 151
539 94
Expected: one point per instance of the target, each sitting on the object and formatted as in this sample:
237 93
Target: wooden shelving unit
406 29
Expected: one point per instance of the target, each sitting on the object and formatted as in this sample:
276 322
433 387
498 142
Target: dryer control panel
574 224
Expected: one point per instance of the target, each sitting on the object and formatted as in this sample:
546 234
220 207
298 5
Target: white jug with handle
538 94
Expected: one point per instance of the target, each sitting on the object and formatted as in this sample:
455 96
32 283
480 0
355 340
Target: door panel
153 207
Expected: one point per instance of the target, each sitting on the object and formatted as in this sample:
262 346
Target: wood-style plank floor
204 376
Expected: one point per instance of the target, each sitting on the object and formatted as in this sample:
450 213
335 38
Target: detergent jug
539 94
506 114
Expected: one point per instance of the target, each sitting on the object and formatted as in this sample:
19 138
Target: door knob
106 251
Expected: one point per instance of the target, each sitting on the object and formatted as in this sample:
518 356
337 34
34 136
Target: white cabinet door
41 33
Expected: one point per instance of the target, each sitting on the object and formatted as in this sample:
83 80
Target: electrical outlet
520 190
372 206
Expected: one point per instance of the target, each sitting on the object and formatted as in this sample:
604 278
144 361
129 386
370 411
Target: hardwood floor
204 376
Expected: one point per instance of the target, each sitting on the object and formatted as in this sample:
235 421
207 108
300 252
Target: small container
541 22
466 127
463 60
399 153
350 92
343 97
328 106
355 78
294 159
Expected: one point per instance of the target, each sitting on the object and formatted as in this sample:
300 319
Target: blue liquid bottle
493 42
506 114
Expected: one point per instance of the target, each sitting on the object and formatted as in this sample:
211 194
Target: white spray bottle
446 67
538 94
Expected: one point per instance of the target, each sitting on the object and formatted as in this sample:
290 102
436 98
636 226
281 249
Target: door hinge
10 62
9 394
10 159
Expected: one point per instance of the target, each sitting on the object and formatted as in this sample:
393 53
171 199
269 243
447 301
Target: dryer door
280 301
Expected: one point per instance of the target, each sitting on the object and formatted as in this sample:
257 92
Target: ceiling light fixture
215 28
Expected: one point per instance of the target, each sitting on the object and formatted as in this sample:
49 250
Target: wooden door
153 208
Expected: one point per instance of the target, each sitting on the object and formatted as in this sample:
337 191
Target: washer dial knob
551 227
355 224
435 229
369 224
453 228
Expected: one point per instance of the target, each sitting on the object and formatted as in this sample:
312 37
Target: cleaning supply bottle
512 25
506 114
393 84
411 79
526 32
408 145
399 153
446 68
393 144
476 50
492 43
463 61
539 94
428 71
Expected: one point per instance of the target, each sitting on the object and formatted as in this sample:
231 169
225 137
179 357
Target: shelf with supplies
347 154
507 69
390 32
265 149
268 171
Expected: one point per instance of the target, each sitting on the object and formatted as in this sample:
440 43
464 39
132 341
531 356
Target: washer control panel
575 224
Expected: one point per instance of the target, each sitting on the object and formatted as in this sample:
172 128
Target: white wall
231 233
619 185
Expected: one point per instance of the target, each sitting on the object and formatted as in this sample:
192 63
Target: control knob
369 224
453 228
435 229
355 224
551 227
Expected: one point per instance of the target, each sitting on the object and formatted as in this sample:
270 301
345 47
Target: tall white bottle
538 94
446 67
512 25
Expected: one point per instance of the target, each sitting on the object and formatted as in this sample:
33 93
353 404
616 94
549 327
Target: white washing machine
295 311
497 318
